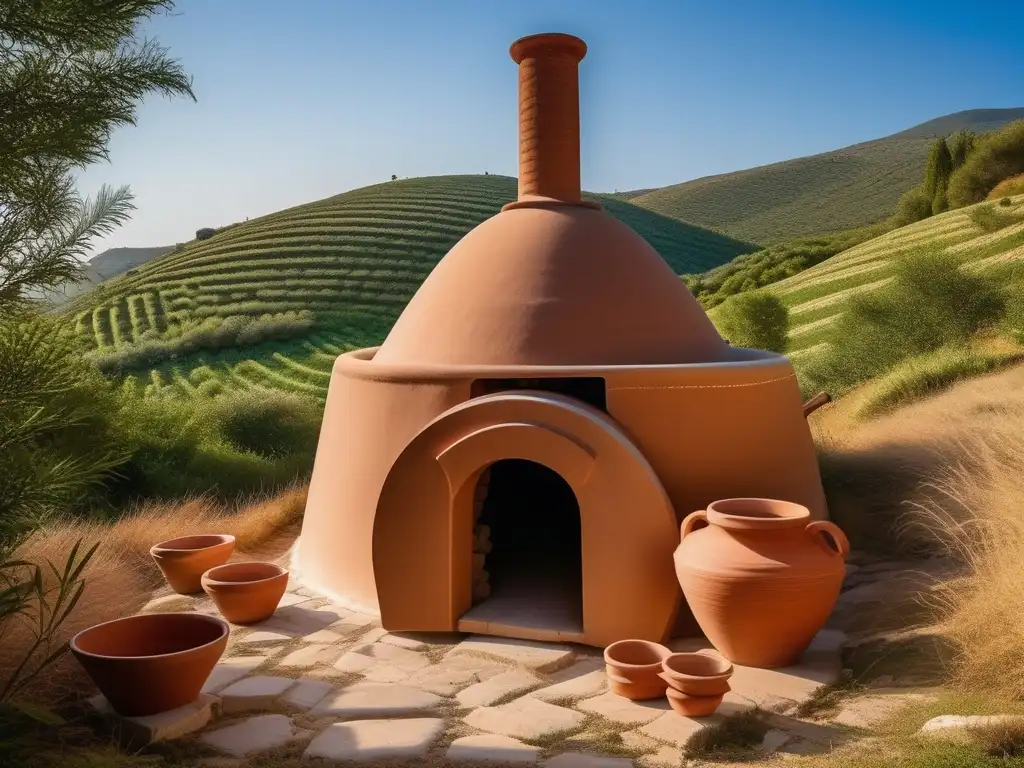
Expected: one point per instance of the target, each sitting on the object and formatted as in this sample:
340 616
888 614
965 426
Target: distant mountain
828 192
103 266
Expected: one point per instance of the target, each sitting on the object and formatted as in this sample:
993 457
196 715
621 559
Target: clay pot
693 706
760 578
697 674
246 592
633 668
183 561
152 662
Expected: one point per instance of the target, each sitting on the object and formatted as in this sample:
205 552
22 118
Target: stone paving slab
541 657
491 748
367 740
582 680
525 719
306 694
492 690
257 734
137 732
253 693
376 700
619 709
231 670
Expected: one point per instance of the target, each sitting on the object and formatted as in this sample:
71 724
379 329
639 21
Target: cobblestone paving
332 684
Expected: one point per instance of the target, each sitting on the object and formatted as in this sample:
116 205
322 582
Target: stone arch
422 534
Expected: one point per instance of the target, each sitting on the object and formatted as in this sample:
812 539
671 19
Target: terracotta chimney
549 115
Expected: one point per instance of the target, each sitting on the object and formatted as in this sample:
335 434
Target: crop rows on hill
815 296
354 260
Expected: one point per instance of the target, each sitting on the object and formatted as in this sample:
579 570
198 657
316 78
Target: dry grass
121 577
945 475
1014 185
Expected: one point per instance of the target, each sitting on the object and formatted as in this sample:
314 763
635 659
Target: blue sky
302 99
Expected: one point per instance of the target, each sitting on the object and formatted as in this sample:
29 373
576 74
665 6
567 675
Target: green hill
815 296
346 265
833 191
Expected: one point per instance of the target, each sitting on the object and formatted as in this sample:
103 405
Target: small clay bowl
697 674
184 560
692 706
152 662
633 668
246 592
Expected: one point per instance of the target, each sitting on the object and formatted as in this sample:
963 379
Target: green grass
354 260
829 192
815 297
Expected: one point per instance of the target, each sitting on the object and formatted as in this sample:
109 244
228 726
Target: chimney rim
549 43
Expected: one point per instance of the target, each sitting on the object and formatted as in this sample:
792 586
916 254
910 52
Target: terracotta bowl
246 592
152 662
184 560
697 674
633 668
692 706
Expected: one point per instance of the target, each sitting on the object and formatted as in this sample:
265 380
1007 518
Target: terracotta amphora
632 668
184 560
153 662
760 578
246 592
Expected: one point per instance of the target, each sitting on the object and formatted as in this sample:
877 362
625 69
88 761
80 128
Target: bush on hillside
996 157
914 205
1008 188
757 319
989 219
267 422
930 303
210 333
961 144
751 271
205 233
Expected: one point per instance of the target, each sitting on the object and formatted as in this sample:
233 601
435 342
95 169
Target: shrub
205 233
914 205
930 303
756 319
997 156
267 422
987 218
1008 188
1006 202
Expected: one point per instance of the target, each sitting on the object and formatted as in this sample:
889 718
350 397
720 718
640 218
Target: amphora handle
691 522
822 531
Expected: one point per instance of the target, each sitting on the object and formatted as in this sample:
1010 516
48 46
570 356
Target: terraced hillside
815 297
833 191
353 260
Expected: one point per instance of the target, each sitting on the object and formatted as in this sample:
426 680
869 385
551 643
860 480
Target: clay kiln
516 457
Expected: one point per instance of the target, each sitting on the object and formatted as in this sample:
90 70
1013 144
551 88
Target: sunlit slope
354 260
815 297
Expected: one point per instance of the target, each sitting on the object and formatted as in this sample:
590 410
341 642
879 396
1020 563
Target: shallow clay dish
633 668
697 674
692 706
152 662
184 560
246 592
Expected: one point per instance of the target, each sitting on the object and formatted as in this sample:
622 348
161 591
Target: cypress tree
937 173
961 144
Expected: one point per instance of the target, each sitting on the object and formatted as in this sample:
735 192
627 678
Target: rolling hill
815 296
353 260
828 192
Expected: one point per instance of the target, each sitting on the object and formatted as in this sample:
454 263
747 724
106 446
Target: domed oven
516 457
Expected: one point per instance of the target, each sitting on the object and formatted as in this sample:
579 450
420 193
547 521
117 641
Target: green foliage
210 333
914 205
205 233
930 303
1014 320
756 270
70 74
57 420
995 157
961 144
755 319
269 423
25 598
937 170
1005 202
989 219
